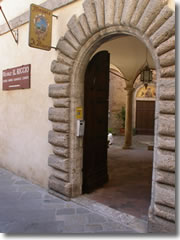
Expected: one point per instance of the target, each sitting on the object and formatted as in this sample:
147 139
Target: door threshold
137 224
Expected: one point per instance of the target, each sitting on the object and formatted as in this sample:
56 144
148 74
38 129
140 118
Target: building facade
30 119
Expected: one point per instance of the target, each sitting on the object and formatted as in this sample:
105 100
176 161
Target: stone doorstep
136 224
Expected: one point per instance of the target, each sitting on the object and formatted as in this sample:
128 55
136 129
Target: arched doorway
98 23
145 110
130 172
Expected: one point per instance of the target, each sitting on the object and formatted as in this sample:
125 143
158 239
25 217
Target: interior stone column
128 121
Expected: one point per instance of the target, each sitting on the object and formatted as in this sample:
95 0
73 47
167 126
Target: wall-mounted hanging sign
16 78
40 27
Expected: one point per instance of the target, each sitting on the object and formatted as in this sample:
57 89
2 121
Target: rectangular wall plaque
79 113
16 78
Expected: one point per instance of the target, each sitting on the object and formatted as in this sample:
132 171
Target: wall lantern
146 74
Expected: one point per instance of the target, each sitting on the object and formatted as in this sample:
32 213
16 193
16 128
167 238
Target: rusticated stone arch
151 21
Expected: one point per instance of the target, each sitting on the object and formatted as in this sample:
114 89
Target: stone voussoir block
60 151
166 143
165 177
165 13
60 186
165 160
165 195
167 82
168 72
128 10
167 94
58 163
72 40
167 88
166 46
165 212
64 59
167 125
59 114
60 68
141 5
160 225
61 102
119 5
109 12
167 107
90 13
76 29
60 175
66 48
168 58
152 10
60 127
99 6
59 90
84 25
166 31
61 78
58 139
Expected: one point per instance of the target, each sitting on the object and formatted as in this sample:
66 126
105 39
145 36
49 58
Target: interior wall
129 55
117 100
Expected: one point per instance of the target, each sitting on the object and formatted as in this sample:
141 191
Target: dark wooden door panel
145 111
96 121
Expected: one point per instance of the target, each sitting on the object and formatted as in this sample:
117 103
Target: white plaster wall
13 8
24 147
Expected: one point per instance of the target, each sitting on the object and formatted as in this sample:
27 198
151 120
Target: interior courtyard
130 175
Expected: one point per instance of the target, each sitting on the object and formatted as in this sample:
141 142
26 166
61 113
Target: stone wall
162 210
154 24
117 99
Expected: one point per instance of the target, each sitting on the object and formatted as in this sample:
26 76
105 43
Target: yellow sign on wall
40 27
79 113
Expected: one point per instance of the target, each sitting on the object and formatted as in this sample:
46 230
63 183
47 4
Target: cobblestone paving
27 208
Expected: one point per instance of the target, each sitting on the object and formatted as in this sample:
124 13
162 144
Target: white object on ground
110 138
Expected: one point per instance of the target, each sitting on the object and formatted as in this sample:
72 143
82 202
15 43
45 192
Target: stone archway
151 21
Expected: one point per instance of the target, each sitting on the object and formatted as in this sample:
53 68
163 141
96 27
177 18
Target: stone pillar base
125 147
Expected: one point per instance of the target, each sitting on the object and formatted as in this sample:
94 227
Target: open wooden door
96 122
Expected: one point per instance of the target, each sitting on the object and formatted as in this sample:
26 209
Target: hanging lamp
146 74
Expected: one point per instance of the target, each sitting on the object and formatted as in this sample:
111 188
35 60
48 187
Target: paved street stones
26 208
66 211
